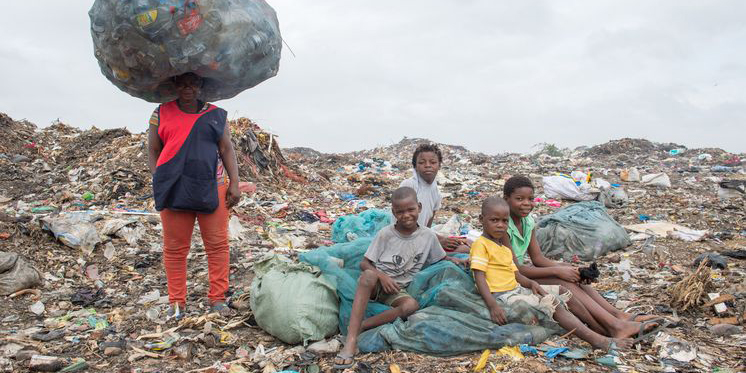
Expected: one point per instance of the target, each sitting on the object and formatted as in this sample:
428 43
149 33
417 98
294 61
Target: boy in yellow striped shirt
501 285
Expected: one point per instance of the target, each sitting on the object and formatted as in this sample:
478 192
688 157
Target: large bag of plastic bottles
141 44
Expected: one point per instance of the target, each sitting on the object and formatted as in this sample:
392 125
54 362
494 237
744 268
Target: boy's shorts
380 295
546 304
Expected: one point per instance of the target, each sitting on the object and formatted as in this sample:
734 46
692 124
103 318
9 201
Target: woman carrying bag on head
190 150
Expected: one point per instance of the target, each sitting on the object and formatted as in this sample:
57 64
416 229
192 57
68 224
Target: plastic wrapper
140 44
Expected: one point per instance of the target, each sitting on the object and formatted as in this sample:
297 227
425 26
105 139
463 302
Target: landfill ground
108 307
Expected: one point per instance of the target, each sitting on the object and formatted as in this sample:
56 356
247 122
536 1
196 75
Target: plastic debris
514 352
139 46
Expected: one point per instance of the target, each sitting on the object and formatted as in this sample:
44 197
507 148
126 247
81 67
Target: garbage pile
75 208
233 44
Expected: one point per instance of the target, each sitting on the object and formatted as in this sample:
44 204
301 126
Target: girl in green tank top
587 304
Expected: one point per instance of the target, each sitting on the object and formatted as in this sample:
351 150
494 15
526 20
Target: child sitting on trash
590 306
396 254
426 161
502 286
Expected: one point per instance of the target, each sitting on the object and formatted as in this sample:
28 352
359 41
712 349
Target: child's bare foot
615 344
346 358
344 361
638 317
626 329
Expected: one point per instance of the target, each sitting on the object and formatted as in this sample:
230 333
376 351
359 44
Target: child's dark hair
516 182
491 202
402 193
426 148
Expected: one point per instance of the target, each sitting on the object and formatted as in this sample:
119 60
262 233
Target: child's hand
452 243
388 284
498 315
459 262
569 274
537 289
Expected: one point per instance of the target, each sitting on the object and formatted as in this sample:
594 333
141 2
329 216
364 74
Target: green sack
292 302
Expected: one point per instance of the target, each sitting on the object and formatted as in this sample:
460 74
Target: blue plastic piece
552 353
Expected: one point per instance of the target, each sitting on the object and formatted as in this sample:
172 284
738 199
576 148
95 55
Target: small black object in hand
589 274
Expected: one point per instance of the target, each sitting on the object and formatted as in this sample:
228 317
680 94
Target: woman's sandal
222 309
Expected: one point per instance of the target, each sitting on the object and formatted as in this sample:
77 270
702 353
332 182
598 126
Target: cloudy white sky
493 76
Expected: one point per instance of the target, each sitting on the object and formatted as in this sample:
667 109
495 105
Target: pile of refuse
80 255
233 44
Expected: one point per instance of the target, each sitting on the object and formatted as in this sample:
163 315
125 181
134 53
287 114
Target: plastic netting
452 319
366 224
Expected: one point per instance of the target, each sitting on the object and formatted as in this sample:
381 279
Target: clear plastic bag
140 44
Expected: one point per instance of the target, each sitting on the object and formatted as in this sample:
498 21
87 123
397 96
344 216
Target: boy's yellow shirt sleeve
478 256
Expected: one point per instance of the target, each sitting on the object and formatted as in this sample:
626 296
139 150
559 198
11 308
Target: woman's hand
233 196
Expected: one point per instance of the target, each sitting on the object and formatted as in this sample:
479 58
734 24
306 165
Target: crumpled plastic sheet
583 229
233 44
366 224
74 229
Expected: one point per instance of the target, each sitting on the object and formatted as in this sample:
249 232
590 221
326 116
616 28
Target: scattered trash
16 274
325 347
514 352
41 363
715 260
674 350
692 289
718 302
726 330
91 302
737 254
660 180
37 308
74 229
562 187
482 362
553 352
631 175
666 229
609 361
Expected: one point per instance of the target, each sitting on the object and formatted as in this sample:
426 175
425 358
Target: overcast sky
493 76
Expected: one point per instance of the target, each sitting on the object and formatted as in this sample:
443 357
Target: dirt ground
108 307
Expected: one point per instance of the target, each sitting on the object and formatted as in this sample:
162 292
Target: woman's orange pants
177 238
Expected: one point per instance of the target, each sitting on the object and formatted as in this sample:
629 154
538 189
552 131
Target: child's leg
569 322
611 325
578 309
365 286
619 314
402 307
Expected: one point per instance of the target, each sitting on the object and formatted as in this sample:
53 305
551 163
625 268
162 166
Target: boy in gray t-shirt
396 254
